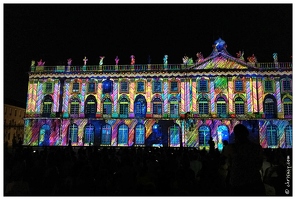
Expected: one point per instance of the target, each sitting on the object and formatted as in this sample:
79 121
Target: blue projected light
107 86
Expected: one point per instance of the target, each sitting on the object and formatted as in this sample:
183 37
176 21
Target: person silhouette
245 161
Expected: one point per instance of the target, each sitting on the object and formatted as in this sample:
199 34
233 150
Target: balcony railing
144 67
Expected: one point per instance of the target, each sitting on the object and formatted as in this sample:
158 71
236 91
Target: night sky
56 32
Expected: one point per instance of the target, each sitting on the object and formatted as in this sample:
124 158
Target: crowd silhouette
135 171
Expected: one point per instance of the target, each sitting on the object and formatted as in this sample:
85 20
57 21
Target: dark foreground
111 171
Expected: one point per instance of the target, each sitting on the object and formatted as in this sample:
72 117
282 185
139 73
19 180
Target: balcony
143 68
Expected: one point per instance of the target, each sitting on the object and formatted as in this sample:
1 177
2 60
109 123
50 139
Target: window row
174 86
140 106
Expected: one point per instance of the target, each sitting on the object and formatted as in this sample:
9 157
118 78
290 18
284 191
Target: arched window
221 106
157 106
47 106
287 107
223 134
174 107
107 106
140 107
174 132
140 134
271 132
269 108
204 135
73 133
89 133
123 108
106 135
90 107
203 106
288 135
44 135
122 135
74 106
239 106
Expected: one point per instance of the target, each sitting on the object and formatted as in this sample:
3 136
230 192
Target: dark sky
56 32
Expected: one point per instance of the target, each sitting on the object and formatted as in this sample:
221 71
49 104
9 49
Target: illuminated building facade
173 105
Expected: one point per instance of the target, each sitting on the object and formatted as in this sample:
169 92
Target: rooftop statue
116 60
199 57
101 59
133 60
85 60
275 57
252 59
240 55
185 60
69 61
40 63
219 45
32 63
165 59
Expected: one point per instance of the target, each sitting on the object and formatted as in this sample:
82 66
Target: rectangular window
268 86
157 86
238 86
91 87
48 88
107 109
15 112
174 110
286 85
74 108
123 110
157 109
239 109
203 108
221 108
287 109
174 86
75 87
140 87
123 87
203 86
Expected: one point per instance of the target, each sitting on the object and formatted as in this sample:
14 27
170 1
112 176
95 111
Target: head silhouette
241 133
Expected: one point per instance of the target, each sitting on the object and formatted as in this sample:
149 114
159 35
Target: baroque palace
169 105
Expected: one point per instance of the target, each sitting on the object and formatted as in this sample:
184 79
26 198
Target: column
212 94
82 99
248 95
132 91
99 99
260 95
278 97
194 95
149 96
230 95
165 97
254 95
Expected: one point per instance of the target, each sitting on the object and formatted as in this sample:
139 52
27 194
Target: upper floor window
157 86
203 106
107 107
124 86
141 86
239 106
91 87
269 108
174 86
157 106
221 106
268 86
91 107
203 85
123 108
74 108
174 108
107 86
238 85
47 106
75 87
287 107
140 106
48 87
286 83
